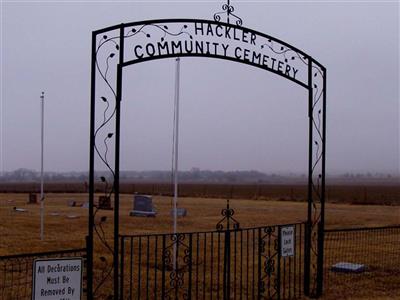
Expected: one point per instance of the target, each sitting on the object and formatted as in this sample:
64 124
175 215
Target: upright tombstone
32 198
105 203
71 203
142 206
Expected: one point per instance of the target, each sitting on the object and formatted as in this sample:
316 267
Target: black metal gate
223 264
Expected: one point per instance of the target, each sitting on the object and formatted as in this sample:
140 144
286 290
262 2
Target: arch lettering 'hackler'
123 45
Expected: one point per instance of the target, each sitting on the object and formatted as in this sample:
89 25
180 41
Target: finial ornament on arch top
228 9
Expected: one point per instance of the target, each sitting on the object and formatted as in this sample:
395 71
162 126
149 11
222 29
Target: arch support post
89 240
117 164
314 237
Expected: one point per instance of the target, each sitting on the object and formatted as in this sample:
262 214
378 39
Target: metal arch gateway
119 46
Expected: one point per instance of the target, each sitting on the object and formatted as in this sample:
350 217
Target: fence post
122 268
163 268
190 266
320 262
88 273
279 264
260 248
227 213
307 253
227 265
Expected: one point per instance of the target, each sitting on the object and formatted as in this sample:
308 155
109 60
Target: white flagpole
176 134
41 171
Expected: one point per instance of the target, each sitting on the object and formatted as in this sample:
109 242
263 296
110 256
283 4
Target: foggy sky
233 116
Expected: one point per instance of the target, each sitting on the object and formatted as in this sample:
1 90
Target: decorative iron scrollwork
228 9
288 53
164 29
269 253
177 264
227 214
318 91
105 54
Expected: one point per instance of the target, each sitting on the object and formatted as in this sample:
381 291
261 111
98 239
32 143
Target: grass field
386 193
19 231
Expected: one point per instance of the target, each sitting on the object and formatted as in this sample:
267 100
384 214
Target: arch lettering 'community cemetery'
208 39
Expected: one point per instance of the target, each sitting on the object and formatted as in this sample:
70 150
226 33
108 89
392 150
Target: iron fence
227 264
375 251
16 272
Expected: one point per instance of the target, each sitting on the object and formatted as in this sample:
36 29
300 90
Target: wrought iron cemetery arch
119 46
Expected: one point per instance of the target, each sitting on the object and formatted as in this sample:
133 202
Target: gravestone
180 212
346 267
143 206
104 203
19 209
72 217
71 203
32 198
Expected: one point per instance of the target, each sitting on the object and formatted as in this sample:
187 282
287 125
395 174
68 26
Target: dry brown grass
19 231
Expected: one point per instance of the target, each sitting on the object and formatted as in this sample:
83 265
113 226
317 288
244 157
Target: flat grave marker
347 267
19 209
72 217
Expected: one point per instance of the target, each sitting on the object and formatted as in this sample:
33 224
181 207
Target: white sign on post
287 241
57 279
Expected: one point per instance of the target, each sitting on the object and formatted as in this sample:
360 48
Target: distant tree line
195 175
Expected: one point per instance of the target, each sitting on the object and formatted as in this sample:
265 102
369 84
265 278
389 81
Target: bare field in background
380 193
19 231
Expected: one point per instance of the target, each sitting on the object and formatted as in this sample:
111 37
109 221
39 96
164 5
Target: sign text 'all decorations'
57 279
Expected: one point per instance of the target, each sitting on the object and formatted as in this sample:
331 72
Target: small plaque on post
287 241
